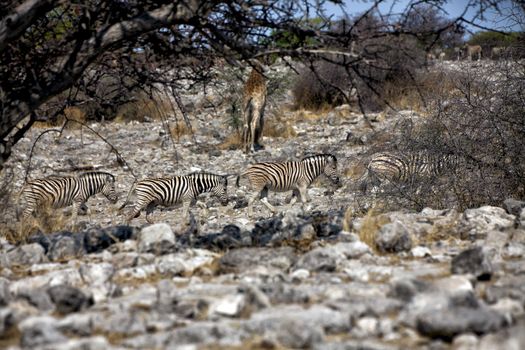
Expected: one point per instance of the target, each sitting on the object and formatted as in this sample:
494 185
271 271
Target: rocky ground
318 276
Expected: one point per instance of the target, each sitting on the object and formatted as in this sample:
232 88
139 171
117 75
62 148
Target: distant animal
286 176
472 50
497 52
430 57
254 103
62 191
442 56
457 52
405 168
172 190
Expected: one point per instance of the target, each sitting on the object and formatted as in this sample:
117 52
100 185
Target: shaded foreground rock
67 245
475 261
393 238
68 299
447 323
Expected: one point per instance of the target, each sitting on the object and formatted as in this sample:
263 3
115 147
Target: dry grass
179 129
279 128
370 225
355 170
47 220
274 127
143 108
231 142
303 115
415 95
71 113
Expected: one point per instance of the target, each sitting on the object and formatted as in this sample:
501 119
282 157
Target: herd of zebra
62 191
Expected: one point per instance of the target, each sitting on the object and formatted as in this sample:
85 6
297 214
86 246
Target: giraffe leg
259 129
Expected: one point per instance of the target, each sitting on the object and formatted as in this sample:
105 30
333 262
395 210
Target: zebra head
221 189
330 168
108 189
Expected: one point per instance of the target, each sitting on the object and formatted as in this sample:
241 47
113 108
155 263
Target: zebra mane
319 156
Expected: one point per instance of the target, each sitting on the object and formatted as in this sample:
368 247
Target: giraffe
471 50
254 102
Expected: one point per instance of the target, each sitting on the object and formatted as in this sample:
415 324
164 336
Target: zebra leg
135 213
268 205
149 210
76 208
303 193
186 210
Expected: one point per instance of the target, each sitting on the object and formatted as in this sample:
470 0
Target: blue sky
454 9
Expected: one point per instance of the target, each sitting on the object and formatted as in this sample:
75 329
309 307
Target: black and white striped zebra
406 168
62 191
286 176
170 191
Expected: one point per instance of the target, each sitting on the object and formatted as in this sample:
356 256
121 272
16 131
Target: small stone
366 326
393 238
420 252
300 274
449 322
170 264
513 206
27 254
36 297
5 294
91 343
510 308
474 261
230 306
68 299
38 331
157 239
7 321
475 223
466 341
65 247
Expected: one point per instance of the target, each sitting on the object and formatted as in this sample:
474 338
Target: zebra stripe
62 191
286 176
169 191
408 167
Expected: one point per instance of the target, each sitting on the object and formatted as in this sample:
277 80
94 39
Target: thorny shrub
332 81
480 119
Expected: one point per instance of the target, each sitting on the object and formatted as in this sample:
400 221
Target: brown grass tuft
71 113
370 225
279 128
231 142
355 170
142 108
179 129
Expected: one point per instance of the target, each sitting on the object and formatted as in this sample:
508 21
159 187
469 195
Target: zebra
62 191
171 190
286 176
405 168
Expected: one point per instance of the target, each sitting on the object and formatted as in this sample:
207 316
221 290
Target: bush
334 82
482 122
